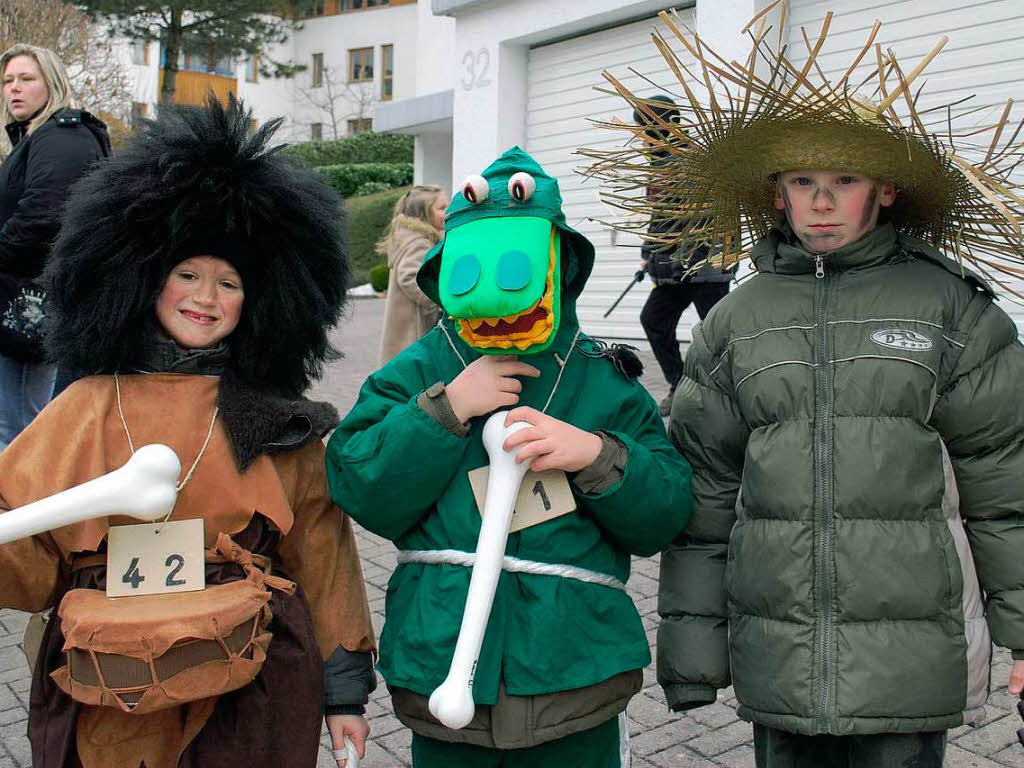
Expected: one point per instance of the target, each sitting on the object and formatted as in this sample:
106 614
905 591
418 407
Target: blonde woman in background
416 225
47 144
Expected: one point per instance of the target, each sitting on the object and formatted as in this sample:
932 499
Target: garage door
984 56
561 103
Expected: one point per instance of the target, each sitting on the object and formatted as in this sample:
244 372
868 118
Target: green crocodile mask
508 259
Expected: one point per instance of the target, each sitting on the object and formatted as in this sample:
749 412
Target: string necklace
131 445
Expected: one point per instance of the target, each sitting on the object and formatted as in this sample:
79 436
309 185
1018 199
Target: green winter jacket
857 442
400 474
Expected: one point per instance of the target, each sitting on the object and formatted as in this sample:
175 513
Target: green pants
599 747
780 749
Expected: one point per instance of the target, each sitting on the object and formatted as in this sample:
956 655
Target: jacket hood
577 252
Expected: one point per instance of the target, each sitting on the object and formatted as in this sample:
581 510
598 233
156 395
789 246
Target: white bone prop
452 702
144 488
348 753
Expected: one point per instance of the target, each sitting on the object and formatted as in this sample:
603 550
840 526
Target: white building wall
334 36
435 51
270 97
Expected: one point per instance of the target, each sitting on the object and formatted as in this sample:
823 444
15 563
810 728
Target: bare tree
99 80
335 101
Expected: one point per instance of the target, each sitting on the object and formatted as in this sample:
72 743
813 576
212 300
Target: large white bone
452 702
144 488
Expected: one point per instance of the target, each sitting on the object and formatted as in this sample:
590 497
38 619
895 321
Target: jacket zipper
822 491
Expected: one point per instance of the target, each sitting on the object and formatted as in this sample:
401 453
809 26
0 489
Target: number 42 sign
154 558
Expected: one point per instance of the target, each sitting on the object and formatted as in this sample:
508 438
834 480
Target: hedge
362 148
379 274
348 178
368 219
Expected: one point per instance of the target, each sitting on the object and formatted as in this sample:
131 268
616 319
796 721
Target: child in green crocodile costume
562 655
854 414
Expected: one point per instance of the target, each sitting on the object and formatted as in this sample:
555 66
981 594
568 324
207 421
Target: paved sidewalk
710 737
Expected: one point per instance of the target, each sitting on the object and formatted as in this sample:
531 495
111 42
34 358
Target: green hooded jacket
400 474
858 451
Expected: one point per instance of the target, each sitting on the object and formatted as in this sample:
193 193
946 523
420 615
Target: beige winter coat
408 313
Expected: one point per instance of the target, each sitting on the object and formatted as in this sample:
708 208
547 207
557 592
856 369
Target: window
360 65
252 69
318 70
317 9
360 125
387 72
139 111
140 52
316 132
359 5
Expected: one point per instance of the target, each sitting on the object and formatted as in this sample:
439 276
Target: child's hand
486 384
353 726
1017 678
552 443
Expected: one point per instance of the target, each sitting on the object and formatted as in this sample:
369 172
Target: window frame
387 78
352 53
317 71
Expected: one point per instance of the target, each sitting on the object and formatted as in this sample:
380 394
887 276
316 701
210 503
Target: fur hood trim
418 226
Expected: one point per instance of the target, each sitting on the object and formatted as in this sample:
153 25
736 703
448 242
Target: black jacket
34 181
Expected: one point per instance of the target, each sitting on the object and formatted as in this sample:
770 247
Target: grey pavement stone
664 737
741 757
961 758
680 757
991 738
715 742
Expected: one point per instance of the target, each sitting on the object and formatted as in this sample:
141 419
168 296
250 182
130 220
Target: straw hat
742 123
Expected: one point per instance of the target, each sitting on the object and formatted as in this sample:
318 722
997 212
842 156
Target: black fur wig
195 181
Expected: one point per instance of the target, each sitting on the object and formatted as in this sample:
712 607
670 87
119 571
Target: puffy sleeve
61 448
980 416
708 429
320 553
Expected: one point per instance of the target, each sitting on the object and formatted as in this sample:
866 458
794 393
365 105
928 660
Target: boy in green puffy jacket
564 647
853 414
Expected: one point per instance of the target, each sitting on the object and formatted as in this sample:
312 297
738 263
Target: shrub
363 148
372 188
379 277
348 178
368 220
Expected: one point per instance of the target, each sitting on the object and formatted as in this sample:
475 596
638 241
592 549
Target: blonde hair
415 203
54 75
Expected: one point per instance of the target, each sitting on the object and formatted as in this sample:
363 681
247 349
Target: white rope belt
511 564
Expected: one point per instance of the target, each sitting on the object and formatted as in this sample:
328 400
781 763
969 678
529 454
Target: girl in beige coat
416 226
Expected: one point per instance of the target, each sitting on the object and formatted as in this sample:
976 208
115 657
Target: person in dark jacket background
678 280
50 145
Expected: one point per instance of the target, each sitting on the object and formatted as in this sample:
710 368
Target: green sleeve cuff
1017 655
683 696
607 470
434 402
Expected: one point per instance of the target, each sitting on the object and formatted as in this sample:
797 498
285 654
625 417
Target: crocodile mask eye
475 188
521 186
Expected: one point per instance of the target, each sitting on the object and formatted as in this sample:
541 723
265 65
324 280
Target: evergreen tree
220 27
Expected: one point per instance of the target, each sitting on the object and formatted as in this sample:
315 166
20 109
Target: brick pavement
710 737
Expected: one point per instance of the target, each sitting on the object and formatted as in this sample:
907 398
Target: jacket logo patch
897 338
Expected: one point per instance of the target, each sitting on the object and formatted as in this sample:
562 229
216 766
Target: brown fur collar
418 226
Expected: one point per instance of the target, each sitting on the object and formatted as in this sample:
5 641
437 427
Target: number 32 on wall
475 65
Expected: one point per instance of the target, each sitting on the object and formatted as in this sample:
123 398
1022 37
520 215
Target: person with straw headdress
852 412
